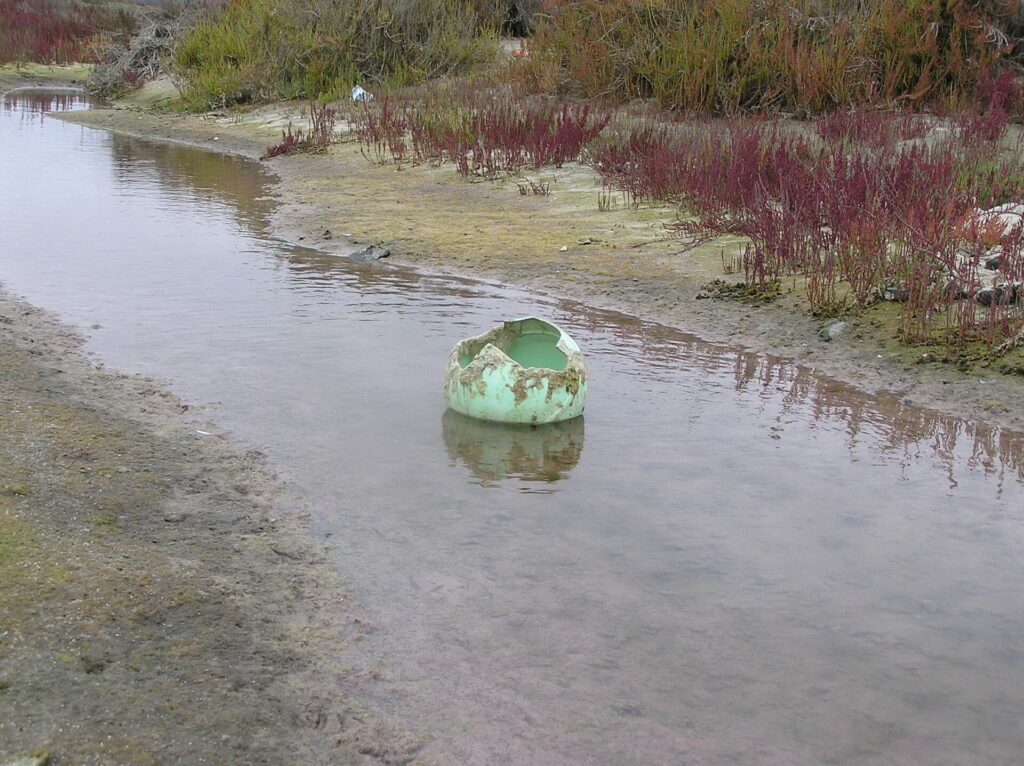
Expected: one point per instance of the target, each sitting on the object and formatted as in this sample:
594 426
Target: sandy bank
561 244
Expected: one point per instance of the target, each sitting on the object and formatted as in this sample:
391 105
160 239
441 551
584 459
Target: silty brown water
728 560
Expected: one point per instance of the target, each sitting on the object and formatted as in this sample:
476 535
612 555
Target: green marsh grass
259 50
799 56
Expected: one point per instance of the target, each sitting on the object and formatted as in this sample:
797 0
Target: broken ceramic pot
524 371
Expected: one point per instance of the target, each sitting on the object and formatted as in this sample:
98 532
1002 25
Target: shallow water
727 560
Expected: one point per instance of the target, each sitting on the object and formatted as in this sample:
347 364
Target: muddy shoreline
561 245
161 598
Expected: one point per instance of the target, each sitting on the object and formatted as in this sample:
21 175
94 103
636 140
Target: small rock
293 552
992 264
998 295
895 293
16 489
563 248
370 253
175 517
326 234
956 291
833 330
92 665
703 295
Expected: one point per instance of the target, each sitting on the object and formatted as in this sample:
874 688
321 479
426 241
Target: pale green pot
524 371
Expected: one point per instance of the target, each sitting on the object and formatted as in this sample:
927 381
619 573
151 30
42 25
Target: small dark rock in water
1000 295
371 253
833 330
992 264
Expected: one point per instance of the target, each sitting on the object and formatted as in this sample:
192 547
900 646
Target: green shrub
515 18
265 49
797 55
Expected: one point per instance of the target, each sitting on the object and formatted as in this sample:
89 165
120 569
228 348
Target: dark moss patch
721 290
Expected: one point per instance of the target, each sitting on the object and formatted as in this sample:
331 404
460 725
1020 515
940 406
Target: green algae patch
42 75
14 542
105 520
39 756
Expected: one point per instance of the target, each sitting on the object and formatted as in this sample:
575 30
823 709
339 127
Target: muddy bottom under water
727 560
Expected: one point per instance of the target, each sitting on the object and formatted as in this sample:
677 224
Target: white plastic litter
358 94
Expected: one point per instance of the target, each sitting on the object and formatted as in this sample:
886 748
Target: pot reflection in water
494 452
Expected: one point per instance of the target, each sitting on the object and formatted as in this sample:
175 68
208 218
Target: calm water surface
729 560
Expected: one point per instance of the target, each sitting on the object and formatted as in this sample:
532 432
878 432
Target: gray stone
895 293
370 254
956 291
999 295
992 263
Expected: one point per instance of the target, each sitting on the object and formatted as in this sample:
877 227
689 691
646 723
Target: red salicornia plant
481 131
322 119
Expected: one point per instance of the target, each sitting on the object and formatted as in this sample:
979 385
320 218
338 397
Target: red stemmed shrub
49 31
481 131
320 135
859 221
